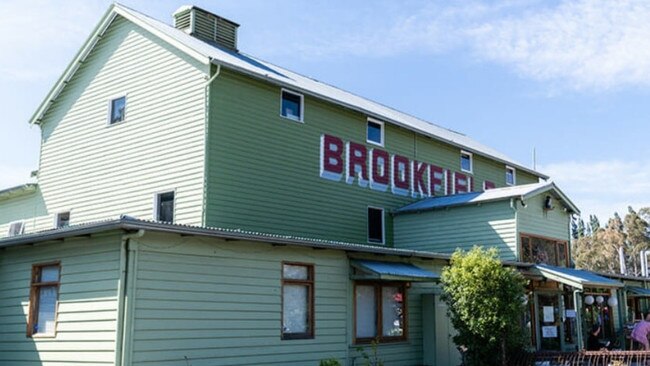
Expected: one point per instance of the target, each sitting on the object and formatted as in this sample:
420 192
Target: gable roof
523 192
17 191
249 65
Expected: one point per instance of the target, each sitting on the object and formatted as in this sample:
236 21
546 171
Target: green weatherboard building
195 205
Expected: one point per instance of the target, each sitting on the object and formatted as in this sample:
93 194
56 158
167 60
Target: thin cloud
603 187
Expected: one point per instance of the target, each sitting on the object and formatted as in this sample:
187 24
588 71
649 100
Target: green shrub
330 362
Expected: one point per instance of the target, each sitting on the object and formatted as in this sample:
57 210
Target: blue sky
570 79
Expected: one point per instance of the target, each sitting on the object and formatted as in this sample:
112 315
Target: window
297 301
380 312
43 297
62 220
511 177
117 110
544 250
292 105
165 207
376 225
16 228
375 132
466 164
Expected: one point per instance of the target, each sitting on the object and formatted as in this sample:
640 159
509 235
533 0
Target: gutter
206 140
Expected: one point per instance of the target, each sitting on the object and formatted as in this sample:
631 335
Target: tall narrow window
62 219
16 228
297 301
43 299
380 311
511 177
165 207
375 132
376 225
292 105
117 110
466 163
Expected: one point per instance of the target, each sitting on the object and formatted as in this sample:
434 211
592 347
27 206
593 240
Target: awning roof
633 291
390 271
577 278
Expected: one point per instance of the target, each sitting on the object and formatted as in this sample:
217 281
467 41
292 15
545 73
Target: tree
581 228
594 224
485 305
636 230
599 252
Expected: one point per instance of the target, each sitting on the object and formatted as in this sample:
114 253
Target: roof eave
108 17
551 186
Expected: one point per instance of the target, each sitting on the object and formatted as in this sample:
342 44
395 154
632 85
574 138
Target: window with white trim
165 207
117 110
292 105
466 162
62 219
380 311
511 176
297 301
375 225
16 228
375 132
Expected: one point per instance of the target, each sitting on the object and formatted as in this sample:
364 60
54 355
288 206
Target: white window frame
302 105
110 109
514 176
11 225
382 129
156 202
471 161
56 217
383 226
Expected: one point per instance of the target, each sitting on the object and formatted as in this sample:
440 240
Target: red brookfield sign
379 170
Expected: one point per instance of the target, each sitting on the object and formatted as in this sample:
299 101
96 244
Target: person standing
640 332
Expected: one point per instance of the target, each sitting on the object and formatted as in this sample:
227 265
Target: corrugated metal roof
132 224
578 278
394 270
258 68
524 191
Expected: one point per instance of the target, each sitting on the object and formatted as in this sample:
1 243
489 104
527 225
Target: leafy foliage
485 305
330 362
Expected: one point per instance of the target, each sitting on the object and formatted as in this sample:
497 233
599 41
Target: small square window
16 228
62 219
117 110
466 163
375 225
165 207
292 105
375 132
511 176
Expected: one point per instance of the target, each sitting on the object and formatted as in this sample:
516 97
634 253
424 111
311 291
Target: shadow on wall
30 208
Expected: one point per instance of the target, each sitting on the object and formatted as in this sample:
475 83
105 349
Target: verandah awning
577 278
390 271
633 291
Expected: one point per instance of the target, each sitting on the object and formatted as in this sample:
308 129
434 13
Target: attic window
16 228
62 219
117 111
292 105
466 163
511 177
375 132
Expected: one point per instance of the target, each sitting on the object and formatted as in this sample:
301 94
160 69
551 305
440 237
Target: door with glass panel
550 329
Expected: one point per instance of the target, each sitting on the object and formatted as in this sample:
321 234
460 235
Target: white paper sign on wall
549 331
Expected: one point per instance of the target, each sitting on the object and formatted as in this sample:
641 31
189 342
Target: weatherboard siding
534 219
263 169
445 230
29 208
87 307
219 303
98 170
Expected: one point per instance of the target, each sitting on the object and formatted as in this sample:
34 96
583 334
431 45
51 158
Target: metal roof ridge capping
209 53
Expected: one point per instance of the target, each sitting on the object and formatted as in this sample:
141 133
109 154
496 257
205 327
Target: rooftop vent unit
206 26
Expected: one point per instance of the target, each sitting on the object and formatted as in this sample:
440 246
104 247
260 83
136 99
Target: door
549 330
446 351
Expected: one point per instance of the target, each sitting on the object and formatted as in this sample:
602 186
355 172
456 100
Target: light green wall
29 208
263 171
86 322
99 171
445 230
219 303
533 219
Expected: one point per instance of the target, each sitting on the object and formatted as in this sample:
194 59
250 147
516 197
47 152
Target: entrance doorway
549 330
